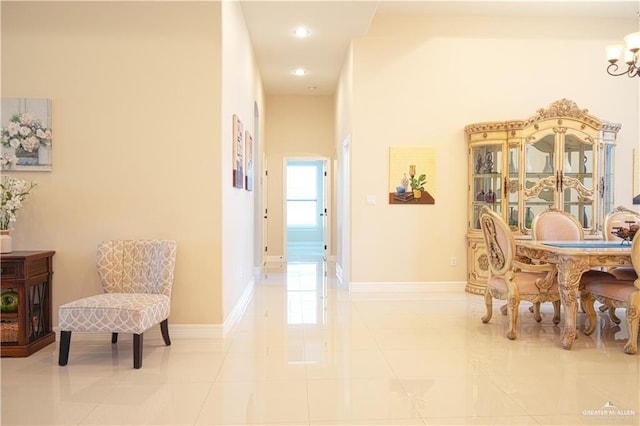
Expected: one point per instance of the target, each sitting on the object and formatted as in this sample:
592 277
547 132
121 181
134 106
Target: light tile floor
306 352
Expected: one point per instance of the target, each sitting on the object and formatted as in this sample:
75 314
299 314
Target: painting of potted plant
411 175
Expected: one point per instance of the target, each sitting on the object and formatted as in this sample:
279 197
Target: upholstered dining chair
553 224
617 294
619 214
137 277
510 279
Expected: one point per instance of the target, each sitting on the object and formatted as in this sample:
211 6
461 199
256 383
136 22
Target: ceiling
333 24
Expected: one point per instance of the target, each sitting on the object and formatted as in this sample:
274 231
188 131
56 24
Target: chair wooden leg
65 342
513 306
164 329
536 311
137 350
114 337
586 301
488 301
556 312
633 322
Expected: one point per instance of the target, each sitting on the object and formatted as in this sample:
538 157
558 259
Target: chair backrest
499 241
136 266
619 214
556 225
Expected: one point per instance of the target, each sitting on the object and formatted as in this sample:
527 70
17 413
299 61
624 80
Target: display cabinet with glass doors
560 157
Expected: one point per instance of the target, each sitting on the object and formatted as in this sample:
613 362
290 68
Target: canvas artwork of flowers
26 134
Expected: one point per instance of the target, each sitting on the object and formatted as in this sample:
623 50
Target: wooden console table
28 330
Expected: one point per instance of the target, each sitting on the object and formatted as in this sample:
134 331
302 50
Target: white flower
26 131
14 191
8 159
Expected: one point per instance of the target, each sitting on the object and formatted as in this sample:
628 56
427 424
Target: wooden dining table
573 258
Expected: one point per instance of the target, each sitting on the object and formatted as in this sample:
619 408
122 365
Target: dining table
572 259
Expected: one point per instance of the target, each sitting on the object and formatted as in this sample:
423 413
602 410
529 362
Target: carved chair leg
613 316
536 311
513 307
65 343
488 301
164 329
114 337
137 350
587 301
556 312
633 322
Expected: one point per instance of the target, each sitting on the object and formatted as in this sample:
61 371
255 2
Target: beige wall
141 145
242 88
296 126
418 81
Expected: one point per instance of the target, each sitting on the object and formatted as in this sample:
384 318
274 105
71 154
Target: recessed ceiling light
312 87
301 32
299 71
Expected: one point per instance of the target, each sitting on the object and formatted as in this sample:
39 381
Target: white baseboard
238 310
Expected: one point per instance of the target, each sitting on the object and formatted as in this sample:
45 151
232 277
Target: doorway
305 209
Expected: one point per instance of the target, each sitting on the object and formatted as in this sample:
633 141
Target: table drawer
11 270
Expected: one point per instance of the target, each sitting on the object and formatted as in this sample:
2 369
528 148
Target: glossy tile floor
306 352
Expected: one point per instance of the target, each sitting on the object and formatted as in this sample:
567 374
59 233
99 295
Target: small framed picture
238 153
248 161
25 134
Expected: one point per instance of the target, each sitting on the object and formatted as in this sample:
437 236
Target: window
302 195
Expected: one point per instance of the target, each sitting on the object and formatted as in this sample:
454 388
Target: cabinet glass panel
512 188
487 180
539 165
607 179
577 180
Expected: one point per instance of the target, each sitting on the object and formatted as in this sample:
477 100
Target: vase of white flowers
25 134
14 192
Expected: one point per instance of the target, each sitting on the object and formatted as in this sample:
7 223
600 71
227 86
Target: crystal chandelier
629 54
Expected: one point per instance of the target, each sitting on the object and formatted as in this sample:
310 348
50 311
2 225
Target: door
305 209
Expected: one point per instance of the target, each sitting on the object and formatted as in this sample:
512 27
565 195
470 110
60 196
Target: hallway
306 352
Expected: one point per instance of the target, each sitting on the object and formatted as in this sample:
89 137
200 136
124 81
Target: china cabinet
562 157
25 325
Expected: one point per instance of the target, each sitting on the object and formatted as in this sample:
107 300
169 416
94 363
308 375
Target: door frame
326 200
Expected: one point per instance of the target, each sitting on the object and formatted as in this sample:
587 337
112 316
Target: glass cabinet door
487 180
540 177
577 185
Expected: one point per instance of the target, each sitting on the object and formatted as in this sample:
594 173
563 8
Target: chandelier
629 54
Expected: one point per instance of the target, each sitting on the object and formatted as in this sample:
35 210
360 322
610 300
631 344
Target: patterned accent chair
510 279
619 214
617 294
136 276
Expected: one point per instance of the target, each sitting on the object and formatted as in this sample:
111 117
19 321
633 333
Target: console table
28 273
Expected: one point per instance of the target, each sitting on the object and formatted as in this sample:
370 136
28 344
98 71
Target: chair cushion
526 282
114 313
616 289
624 273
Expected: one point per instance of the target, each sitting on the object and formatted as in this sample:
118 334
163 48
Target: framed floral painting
25 134
238 153
248 158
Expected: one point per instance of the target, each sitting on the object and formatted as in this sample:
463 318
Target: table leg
570 270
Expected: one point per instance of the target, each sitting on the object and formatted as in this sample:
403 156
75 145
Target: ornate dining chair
619 214
136 276
510 279
617 294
